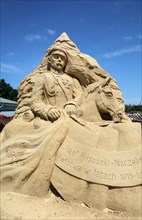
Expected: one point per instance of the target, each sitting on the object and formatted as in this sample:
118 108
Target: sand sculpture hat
58 51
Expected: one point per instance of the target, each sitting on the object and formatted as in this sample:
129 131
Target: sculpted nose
59 59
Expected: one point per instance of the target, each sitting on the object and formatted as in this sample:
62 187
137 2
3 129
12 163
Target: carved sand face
57 60
108 101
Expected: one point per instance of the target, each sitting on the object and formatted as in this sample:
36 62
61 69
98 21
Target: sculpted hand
54 114
70 109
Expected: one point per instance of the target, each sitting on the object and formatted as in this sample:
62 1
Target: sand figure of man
55 91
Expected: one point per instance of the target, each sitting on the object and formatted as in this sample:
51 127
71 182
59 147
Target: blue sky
109 31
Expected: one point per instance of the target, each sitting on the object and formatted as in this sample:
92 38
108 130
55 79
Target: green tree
132 108
7 92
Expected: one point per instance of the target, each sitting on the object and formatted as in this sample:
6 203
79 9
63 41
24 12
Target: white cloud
51 32
128 38
32 37
39 37
6 68
35 37
128 50
10 54
139 36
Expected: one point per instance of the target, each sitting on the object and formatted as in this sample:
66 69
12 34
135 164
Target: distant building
7 111
135 116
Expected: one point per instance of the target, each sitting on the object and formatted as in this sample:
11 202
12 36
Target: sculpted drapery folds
70 128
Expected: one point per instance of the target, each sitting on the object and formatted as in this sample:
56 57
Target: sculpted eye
120 100
56 56
109 94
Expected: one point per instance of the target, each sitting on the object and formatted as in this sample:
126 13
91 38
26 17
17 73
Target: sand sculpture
70 134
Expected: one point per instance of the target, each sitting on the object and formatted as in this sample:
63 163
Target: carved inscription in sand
108 168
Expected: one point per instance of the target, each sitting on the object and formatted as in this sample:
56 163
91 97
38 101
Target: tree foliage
131 108
7 92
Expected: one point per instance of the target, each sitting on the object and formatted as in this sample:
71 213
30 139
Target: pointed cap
64 41
63 37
